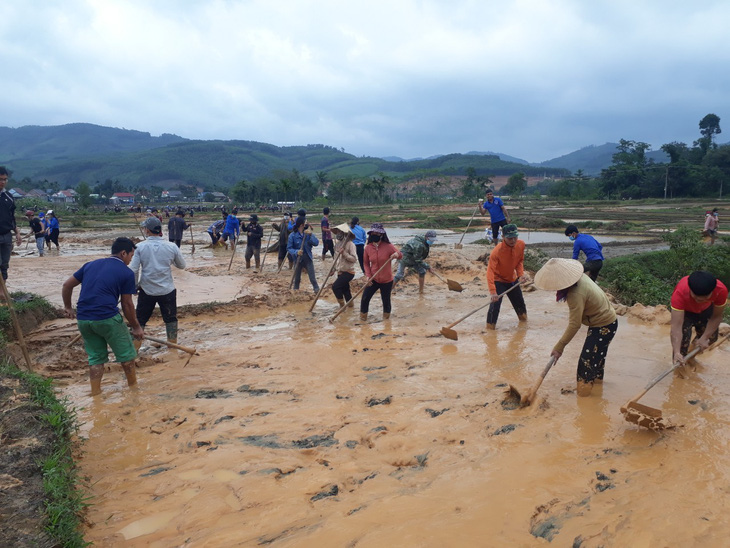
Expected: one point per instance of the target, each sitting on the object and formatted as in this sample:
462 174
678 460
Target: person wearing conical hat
587 305
345 264
504 270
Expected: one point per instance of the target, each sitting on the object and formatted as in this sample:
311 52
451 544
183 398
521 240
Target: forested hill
84 152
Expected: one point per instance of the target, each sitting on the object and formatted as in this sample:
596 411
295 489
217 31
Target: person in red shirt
378 252
505 269
698 302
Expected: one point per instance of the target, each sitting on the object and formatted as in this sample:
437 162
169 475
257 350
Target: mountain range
78 152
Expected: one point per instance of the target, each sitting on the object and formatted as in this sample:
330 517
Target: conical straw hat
558 274
344 227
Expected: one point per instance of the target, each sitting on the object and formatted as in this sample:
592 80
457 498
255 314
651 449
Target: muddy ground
289 430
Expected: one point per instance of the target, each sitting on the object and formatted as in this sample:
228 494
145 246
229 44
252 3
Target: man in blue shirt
497 213
103 283
231 230
359 240
590 247
299 248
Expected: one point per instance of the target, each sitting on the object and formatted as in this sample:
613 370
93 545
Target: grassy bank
30 309
649 278
64 499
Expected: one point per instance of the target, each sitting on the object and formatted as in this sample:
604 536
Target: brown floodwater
289 430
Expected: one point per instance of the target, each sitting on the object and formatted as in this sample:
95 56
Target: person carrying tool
327 242
590 247
345 265
505 269
231 230
414 253
498 214
176 227
698 302
214 231
151 266
359 240
285 228
587 305
299 246
103 283
37 228
53 229
254 232
378 252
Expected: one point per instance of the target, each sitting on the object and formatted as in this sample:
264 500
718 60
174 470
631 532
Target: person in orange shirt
505 269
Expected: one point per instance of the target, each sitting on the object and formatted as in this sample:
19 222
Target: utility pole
666 180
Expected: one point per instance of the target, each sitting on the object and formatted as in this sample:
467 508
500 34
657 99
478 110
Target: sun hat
377 228
510 231
558 274
152 224
431 235
49 212
344 227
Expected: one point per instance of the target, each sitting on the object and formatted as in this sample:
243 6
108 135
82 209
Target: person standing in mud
345 264
698 302
415 252
151 266
327 241
587 305
214 231
590 247
359 240
506 269
378 252
712 223
176 227
498 214
7 224
231 230
37 228
254 232
104 282
53 229
299 246
284 228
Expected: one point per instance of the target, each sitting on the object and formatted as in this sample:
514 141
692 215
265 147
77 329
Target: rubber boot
386 315
352 303
248 263
130 373
258 263
96 372
583 389
363 316
341 302
421 283
522 317
171 330
491 326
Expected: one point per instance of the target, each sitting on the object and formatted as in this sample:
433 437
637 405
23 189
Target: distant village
70 197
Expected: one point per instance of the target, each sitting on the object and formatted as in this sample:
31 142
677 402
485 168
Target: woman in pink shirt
378 252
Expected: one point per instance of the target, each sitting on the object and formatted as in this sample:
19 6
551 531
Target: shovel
514 395
453 286
192 239
268 244
324 282
233 253
191 351
453 335
650 417
459 246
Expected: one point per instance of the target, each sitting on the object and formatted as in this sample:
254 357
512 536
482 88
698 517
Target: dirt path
292 431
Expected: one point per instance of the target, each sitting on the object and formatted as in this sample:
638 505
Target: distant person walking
591 249
712 223
104 282
151 266
53 229
37 228
327 241
7 224
176 227
498 214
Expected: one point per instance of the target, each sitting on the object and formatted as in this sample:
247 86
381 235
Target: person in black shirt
7 224
253 245
38 230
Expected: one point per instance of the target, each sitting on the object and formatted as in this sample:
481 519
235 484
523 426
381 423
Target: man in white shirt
151 265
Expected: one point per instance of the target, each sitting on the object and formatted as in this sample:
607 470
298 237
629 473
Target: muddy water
291 431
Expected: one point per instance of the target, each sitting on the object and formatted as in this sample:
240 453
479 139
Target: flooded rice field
291 430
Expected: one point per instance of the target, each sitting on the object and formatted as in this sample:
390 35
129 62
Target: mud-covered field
291 430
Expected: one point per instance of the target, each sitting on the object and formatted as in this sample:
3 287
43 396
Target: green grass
22 302
65 499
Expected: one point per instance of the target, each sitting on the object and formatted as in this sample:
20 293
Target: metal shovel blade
449 333
643 415
454 286
458 246
512 398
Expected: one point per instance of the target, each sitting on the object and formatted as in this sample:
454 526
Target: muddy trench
289 430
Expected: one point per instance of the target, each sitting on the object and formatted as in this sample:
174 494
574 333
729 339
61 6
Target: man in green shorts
103 283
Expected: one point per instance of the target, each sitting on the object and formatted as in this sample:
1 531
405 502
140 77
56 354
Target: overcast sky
533 79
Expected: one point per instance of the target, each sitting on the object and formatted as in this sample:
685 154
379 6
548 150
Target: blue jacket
232 225
295 243
588 245
360 235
